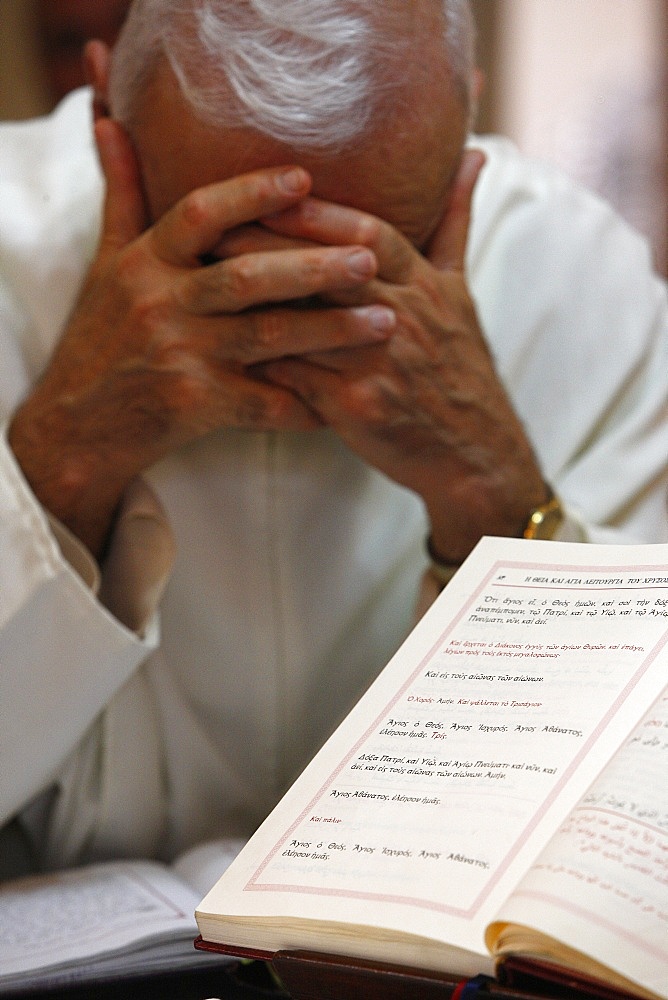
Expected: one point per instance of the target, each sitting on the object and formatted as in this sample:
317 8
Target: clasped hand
252 304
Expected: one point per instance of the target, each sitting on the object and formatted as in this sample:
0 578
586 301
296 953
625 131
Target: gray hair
314 74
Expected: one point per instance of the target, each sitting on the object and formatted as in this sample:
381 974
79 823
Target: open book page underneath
426 807
602 884
86 924
546 959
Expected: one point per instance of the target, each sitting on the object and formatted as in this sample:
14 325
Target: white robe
297 566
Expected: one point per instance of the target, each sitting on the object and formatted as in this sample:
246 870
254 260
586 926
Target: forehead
400 174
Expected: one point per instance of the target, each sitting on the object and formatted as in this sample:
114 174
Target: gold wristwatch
545 520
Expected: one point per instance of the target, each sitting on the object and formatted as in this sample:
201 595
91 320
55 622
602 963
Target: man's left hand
426 407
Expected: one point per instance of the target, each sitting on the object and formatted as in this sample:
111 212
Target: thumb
447 248
125 215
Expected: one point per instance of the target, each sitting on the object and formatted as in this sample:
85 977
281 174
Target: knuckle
260 336
187 394
151 316
195 397
279 410
324 271
168 353
132 293
370 230
194 209
238 280
314 267
368 401
262 187
227 287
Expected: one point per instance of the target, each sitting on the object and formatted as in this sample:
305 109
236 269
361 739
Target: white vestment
297 565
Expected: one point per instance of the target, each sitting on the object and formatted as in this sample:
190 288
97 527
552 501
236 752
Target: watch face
545 520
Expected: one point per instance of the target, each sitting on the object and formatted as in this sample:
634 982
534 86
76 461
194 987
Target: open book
500 790
106 921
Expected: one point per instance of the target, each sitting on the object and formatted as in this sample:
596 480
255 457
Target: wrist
65 480
542 522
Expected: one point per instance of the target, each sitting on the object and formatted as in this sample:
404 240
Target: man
273 359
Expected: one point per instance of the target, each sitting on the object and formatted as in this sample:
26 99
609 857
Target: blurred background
584 84
581 83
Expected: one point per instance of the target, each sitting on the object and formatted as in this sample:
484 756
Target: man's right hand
159 348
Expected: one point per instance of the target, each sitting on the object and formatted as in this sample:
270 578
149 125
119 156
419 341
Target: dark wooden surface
229 982
311 976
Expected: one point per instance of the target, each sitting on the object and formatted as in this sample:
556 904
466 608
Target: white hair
311 73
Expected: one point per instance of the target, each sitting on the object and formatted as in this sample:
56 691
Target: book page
603 879
492 720
202 865
84 915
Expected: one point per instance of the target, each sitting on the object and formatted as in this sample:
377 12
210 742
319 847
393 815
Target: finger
258 278
255 238
447 249
96 59
318 388
125 216
340 358
326 222
266 334
196 224
323 222
249 402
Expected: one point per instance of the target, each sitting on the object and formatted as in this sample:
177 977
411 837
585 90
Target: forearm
70 463
490 486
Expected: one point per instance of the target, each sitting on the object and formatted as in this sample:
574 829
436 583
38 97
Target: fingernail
379 318
292 181
361 264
